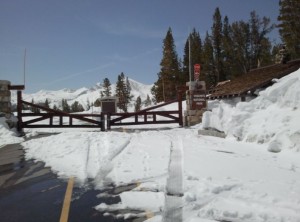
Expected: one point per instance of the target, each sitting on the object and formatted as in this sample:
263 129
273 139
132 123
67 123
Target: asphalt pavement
29 192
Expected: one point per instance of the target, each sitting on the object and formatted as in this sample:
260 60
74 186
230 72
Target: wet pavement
29 192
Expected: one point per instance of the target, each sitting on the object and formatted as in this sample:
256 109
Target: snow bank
133 200
226 180
84 155
223 180
272 118
7 136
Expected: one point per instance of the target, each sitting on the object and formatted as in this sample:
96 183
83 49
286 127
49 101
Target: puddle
11 158
29 192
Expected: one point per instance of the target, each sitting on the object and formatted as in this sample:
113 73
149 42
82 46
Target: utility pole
24 68
190 65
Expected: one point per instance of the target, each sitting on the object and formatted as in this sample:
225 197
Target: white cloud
80 73
125 29
121 58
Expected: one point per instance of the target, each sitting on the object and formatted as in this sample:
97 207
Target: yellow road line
67 201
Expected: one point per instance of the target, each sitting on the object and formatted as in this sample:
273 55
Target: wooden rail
51 114
148 116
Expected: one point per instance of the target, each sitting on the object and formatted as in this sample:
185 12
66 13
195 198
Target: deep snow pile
7 136
272 118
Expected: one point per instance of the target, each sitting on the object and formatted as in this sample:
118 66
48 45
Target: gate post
180 108
108 121
19 110
102 118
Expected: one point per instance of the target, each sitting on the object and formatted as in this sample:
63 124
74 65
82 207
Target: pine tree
88 105
217 45
138 104
196 50
97 103
208 62
120 91
157 92
46 103
259 44
275 51
147 101
123 92
289 27
107 88
55 107
34 109
169 76
65 106
76 107
128 91
228 52
241 47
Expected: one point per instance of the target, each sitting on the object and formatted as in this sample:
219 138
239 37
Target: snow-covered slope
82 95
273 117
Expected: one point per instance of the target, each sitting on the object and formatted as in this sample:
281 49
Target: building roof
254 79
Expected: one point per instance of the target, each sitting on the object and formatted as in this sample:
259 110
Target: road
29 192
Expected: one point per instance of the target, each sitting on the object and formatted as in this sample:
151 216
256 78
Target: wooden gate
148 116
113 119
51 114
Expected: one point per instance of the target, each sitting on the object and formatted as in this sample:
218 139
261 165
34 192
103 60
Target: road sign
198 98
196 72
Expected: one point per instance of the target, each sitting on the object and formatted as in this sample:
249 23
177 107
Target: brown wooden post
102 119
70 121
136 118
51 120
60 120
243 98
180 108
19 109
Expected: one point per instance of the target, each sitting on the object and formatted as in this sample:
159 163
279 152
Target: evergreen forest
228 50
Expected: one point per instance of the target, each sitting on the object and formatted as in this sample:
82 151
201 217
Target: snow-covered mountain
82 95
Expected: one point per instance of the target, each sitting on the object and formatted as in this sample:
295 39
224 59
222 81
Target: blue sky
77 43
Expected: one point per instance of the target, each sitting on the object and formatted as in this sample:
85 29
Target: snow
136 201
272 118
179 175
83 155
222 179
7 136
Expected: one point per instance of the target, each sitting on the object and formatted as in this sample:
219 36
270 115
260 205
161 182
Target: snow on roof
256 78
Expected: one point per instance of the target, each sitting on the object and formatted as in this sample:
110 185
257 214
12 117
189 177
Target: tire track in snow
87 158
107 166
174 187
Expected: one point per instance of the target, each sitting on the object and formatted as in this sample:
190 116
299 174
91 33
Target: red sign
196 72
